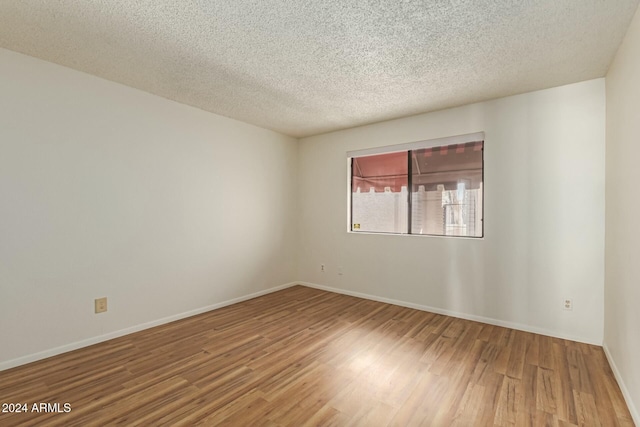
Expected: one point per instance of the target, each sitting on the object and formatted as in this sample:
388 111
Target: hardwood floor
307 357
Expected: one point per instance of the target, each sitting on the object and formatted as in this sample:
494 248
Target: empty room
271 213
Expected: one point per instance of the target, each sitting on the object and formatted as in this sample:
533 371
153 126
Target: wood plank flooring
303 356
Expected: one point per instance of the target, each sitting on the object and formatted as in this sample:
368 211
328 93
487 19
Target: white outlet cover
567 304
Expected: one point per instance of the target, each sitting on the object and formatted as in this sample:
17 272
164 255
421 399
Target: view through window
433 190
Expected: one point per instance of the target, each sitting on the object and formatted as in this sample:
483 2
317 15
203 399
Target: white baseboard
116 334
623 387
482 319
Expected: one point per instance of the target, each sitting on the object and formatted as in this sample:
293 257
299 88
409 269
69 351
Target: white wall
110 191
544 216
622 316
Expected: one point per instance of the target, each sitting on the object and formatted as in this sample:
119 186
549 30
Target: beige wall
110 191
544 216
622 290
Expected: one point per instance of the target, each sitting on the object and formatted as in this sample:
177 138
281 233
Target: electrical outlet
339 270
322 268
101 305
567 304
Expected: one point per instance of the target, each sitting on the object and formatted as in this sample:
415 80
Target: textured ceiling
311 66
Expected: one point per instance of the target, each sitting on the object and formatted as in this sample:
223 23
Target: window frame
409 148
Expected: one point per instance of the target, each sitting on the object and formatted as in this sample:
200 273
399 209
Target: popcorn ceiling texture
308 67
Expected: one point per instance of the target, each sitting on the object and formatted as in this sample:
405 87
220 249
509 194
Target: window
429 187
